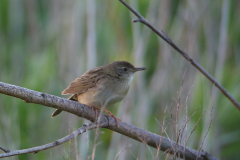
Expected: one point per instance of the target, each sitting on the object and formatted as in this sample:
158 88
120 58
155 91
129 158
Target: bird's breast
106 93
114 92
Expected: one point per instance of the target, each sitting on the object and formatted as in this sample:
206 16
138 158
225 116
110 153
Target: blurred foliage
44 45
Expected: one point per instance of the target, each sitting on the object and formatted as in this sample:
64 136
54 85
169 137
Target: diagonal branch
164 36
4 149
55 143
86 112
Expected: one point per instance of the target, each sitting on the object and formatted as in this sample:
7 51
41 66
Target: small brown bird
102 86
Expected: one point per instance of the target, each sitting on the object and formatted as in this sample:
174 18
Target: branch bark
164 36
81 110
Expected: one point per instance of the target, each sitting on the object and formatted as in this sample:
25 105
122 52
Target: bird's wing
85 82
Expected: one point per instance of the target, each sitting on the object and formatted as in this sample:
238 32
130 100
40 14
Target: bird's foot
110 114
95 109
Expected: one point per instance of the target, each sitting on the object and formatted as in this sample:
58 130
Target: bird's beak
139 69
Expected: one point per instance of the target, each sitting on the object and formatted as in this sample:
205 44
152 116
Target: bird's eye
125 69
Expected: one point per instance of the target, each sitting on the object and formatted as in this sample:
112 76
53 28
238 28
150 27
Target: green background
46 44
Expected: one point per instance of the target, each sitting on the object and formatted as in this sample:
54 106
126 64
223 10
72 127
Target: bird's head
123 69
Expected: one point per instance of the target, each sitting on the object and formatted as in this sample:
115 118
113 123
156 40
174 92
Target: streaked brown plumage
102 86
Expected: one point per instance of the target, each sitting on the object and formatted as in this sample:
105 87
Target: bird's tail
58 111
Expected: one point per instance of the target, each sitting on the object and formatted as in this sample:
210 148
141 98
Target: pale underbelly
100 99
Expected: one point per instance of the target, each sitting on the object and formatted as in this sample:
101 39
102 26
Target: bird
102 86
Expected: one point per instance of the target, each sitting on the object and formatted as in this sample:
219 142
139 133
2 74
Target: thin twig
187 122
163 130
97 133
4 150
178 105
186 110
134 156
164 36
128 146
195 126
55 143
200 148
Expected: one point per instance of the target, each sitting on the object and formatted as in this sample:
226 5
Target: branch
86 112
4 150
164 36
53 144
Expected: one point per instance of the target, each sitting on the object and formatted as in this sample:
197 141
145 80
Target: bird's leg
110 114
94 108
